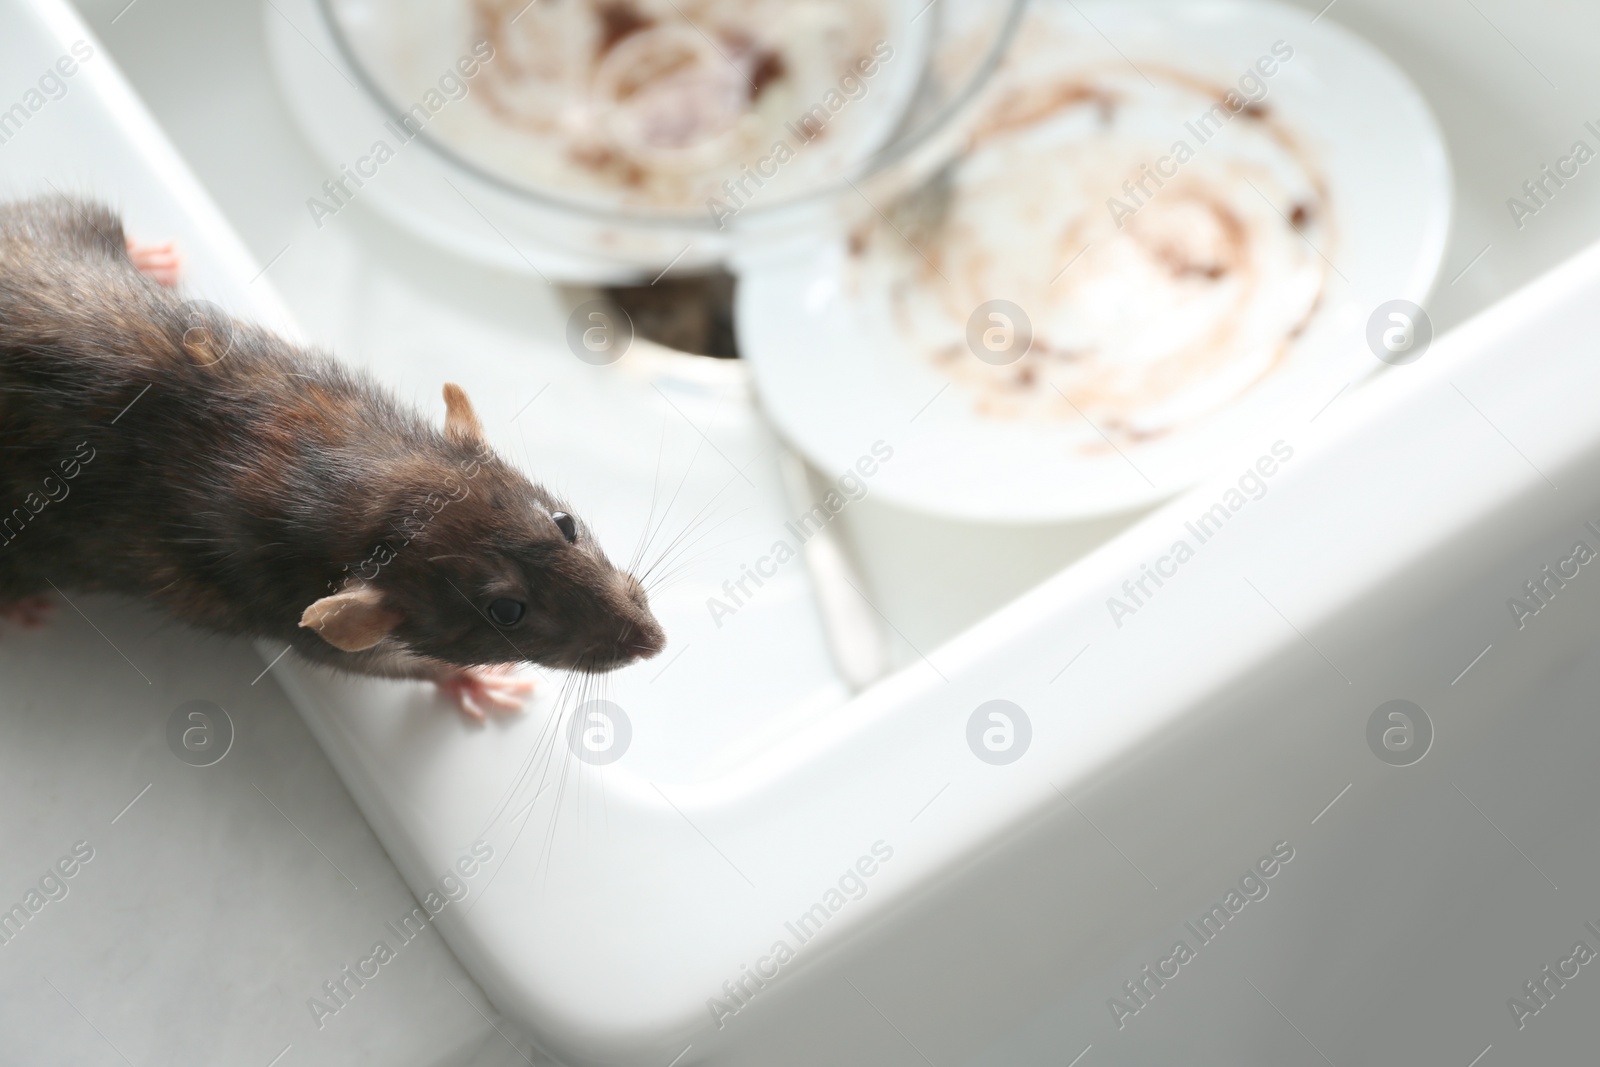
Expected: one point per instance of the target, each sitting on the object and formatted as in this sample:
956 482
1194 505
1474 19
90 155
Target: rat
162 449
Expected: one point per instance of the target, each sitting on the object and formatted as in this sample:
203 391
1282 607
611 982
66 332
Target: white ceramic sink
999 909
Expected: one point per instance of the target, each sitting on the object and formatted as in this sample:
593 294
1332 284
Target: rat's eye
506 612
569 528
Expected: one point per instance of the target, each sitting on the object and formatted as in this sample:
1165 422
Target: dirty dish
1169 224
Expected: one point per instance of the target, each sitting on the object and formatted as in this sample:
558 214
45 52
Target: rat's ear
353 620
460 421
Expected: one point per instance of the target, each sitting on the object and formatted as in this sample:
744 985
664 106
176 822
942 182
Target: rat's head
474 564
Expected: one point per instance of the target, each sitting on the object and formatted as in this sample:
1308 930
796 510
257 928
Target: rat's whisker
697 518
664 561
512 791
707 506
682 568
551 737
655 496
670 547
652 533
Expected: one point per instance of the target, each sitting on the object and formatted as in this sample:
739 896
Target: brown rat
159 449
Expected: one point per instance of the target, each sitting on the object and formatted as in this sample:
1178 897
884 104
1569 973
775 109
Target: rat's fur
162 451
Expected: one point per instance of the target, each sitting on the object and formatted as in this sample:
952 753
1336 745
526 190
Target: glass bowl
648 134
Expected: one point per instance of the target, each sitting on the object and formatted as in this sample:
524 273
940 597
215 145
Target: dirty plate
1169 228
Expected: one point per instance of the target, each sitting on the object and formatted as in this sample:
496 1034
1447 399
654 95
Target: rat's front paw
160 262
30 613
479 690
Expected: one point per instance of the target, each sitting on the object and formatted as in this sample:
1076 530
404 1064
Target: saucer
1169 227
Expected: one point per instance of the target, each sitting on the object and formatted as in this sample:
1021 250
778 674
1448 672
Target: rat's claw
477 691
160 262
30 613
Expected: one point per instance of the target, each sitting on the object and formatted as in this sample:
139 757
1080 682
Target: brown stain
603 160
1023 108
1029 105
1232 253
491 23
661 66
531 79
769 67
618 19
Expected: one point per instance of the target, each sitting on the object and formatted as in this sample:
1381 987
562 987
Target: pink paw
479 690
160 262
30 613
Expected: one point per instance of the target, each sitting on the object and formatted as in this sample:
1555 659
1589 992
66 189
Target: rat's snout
645 639
644 636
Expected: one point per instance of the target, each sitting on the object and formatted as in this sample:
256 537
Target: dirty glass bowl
649 133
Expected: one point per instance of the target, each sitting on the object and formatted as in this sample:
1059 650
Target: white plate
1116 404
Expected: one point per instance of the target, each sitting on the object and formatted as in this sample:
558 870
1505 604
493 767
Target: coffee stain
564 70
768 68
618 20
1196 234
